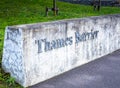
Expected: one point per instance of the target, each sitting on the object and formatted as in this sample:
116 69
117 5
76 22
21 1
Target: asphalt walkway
101 73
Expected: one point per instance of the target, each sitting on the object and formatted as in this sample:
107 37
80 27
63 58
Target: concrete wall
35 52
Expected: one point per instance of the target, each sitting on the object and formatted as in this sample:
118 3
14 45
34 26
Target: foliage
6 81
13 12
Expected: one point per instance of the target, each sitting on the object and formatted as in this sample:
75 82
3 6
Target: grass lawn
13 12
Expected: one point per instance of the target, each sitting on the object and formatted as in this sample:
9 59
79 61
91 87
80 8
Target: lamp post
54 6
99 5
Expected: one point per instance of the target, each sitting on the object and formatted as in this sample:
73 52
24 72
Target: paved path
101 73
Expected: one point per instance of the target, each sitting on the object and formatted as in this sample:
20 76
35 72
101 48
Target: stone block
33 53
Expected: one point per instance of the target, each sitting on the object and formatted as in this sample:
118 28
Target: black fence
90 2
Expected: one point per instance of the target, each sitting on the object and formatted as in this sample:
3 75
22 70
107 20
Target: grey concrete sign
36 52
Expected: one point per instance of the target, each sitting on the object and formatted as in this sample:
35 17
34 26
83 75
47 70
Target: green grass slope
13 12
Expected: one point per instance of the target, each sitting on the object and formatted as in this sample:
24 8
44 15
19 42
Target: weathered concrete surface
36 52
101 73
